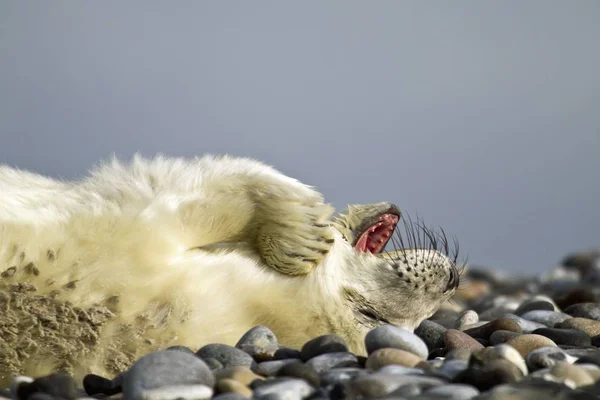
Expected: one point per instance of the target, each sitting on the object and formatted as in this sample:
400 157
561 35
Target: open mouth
375 237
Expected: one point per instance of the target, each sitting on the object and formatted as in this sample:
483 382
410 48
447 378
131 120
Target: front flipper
298 240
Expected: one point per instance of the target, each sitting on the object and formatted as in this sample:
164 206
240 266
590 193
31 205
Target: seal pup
169 251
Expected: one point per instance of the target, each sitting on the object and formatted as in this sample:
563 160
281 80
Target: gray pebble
341 375
467 317
454 391
432 334
260 342
322 345
380 384
547 318
228 356
165 375
584 310
400 370
325 362
284 389
451 368
396 338
534 305
270 368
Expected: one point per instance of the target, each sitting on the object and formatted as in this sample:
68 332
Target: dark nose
453 280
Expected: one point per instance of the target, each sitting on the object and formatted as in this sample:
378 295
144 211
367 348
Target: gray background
483 117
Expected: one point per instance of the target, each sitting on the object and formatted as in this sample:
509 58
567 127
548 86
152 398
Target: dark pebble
325 362
502 336
485 377
270 368
323 345
181 348
570 337
432 334
456 339
301 371
534 305
228 356
57 385
584 310
283 353
484 331
94 384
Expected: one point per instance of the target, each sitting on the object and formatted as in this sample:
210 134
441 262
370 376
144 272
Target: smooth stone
589 359
213 364
57 384
325 362
528 342
547 318
576 374
379 384
270 368
400 370
241 374
501 336
467 317
232 386
485 331
456 339
495 372
431 333
452 368
546 357
163 373
323 345
570 337
397 338
287 389
453 391
95 384
525 325
16 382
579 352
259 342
589 326
341 375
584 310
509 353
387 356
534 306
300 371
228 356
535 389
284 353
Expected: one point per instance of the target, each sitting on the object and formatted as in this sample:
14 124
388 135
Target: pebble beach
501 337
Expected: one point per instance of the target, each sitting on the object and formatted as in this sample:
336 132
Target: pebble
485 331
241 374
456 339
431 333
285 389
545 357
490 374
525 325
584 310
534 305
301 371
578 375
387 356
467 317
397 338
228 356
322 345
455 391
56 385
325 362
528 342
94 384
547 318
165 375
380 384
568 337
502 336
341 375
510 354
259 342
589 326
270 368
452 368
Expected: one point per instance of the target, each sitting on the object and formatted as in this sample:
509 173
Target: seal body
160 252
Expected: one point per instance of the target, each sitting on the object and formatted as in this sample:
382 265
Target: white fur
146 231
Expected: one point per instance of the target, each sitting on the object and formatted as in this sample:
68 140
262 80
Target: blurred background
482 117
